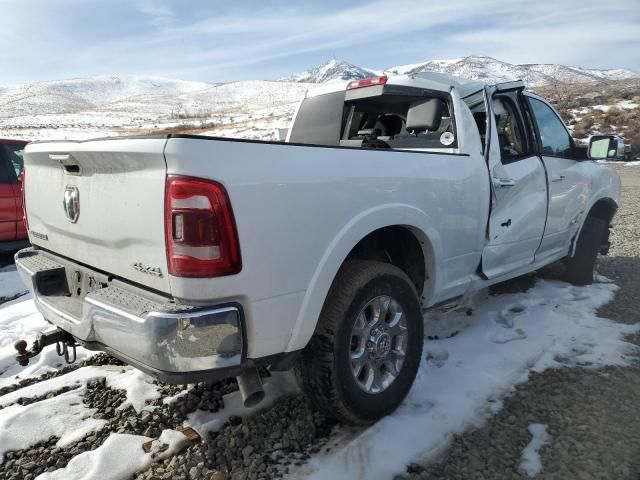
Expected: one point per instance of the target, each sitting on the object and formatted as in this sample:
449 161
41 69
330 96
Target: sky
220 41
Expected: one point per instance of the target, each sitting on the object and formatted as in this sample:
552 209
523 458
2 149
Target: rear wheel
365 353
580 267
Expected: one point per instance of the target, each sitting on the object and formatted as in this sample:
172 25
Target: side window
14 154
7 175
554 137
511 137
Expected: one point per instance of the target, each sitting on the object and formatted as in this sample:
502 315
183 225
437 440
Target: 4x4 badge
141 267
71 203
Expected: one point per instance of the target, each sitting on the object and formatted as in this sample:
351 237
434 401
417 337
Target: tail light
200 230
24 204
367 82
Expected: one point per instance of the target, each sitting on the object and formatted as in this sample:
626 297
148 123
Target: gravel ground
265 445
591 415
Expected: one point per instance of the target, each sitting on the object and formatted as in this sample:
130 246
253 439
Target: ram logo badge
141 267
71 203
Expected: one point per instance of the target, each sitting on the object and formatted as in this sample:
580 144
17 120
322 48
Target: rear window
319 120
381 122
11 156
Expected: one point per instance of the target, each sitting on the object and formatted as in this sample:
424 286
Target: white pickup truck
195 258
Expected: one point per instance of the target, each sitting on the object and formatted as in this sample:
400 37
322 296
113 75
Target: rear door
101 203
518 190
8 205
568 183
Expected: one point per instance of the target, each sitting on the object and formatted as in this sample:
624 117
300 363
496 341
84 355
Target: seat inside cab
399 122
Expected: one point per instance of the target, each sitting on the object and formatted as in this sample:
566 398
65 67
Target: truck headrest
424 115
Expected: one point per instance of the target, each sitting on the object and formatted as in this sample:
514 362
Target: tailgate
117 225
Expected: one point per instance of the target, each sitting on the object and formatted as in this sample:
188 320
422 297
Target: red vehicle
13 234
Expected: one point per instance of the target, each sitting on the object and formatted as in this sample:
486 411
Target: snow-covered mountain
128 104
475 67
92 107
79 94
332 70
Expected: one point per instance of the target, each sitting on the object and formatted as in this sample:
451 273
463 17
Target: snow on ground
138 385
531 464
10 283
280 383
120 456
19 319
461 379
65 415
633 163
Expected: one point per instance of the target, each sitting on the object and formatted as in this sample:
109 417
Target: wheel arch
411 224
603 208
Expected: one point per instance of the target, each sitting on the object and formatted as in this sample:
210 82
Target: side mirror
605 146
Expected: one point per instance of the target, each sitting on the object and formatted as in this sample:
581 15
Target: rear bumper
175 343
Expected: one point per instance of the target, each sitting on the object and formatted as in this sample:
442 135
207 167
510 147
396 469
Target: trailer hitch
65 346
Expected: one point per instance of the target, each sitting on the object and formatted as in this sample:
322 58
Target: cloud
159 13
219 41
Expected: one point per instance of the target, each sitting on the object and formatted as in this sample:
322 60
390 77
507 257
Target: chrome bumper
176 343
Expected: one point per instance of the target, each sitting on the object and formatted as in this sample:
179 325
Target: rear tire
580 267
384 347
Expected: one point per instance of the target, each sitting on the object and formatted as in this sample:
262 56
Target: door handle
557 178
503 182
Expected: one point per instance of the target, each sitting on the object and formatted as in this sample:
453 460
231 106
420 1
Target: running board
448 319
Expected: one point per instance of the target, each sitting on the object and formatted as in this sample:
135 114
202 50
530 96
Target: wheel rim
378 344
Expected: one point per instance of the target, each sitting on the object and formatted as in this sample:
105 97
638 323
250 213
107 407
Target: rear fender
345 240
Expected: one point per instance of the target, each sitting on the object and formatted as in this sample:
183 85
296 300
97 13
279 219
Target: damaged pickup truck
196 258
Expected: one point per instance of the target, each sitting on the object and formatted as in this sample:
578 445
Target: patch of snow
280 383
76 377
173 398
627 104
19 319
120 456
463 386
502 336
530 463
175 441
64 416
10 283
139 387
